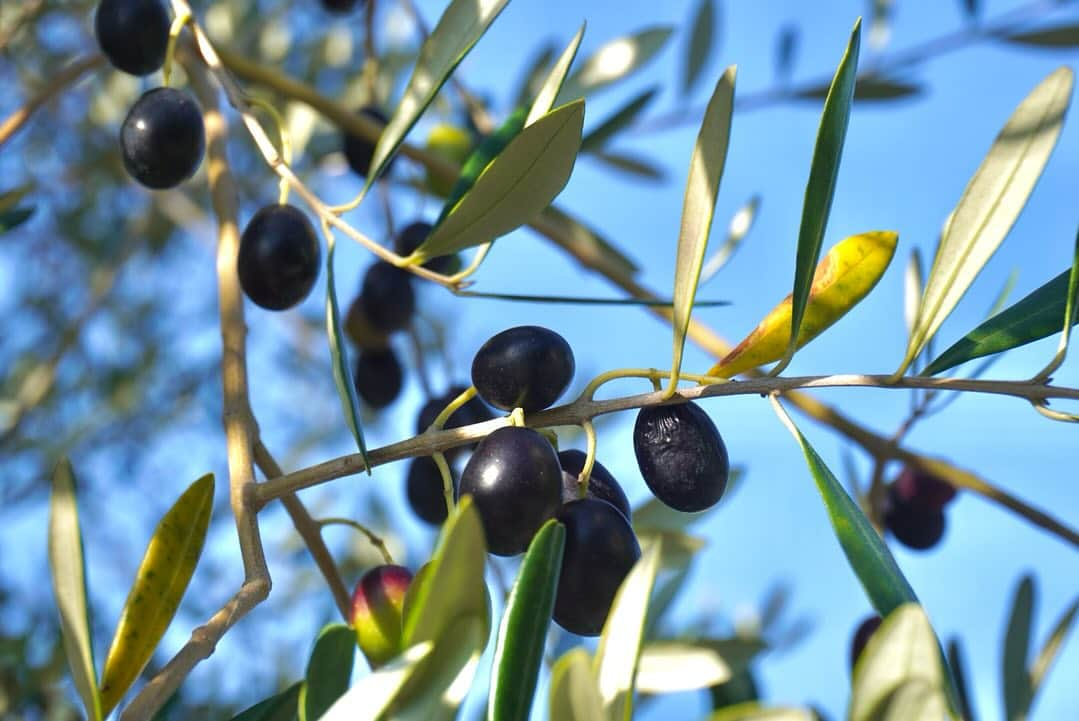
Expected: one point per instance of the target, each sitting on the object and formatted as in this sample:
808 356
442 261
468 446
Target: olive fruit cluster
914 509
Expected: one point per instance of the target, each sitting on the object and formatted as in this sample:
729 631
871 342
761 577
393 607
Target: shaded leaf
820 188
844 277
523 631
615 664
552 86
342 371
67 567
538 71
959 673
515 187
872 88
670 666
11 219
1015 680
280 707
991 203
630 164
786 47
329 670
372 695
574 695
621 118
698 208
614 61
460 27
1062 36
160 583
1049 651
699 44
740 225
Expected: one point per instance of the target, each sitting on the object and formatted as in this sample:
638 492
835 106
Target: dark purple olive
425 490
915 487
388 298
378 377
133 34
412 236
516 483
601 484
526 367
861 637
279 257
681 455
914 526
600 550
358 150
162 139
473 411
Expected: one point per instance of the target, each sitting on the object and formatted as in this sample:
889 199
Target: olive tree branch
59 82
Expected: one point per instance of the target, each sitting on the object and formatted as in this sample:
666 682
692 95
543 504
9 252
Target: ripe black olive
133 34
681 455
424 489
359 151
526 367
279 257
162 139
412 236
388 298
378 377
601 484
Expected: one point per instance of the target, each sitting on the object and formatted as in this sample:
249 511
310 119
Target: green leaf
903 649
329 670
700 43
1036 316
584 242
160 583
991 203
515 187
823 172
1061 36
959 673
460 27
342 372
280 707
552 86
1014 676
912 700
912 288
753 711
615 664
614 61
523 632
1070 315
671 666
740 225
368 699
620 119
698 208
630 164
872 88
441 681
574 695
68 568
11 219
1049 651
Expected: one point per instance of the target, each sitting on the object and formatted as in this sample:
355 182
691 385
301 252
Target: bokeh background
114 288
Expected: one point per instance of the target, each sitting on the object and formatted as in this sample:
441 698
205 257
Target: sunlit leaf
67 567
630 164
741 224
1061 36
1015 681
620 119
574 695
461 25
912 700
1036 316
702 188
515 187
1049 651
699 44
329 670
820 188
342 372
160 583
959 673
912 288
753 711
615 664
435 690
552 86
368 699
991 203
843 278
614 61
280 707
670 666
872 88
523 632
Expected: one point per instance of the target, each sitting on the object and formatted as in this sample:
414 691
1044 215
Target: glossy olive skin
162 139
600 550
681 455
473 411
526 367
378 377
388 297
424 489
358 151
601 484
516 483
279 257
861 637
133 34
412 236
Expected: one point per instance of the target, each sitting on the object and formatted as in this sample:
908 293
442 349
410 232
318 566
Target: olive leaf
552 86
671 666
342 372
373 694
279 707
574 695
329 670
1060 36
620 119
614 61
699 44
739 227
1015 681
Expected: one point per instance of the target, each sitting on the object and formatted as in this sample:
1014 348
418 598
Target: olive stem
371 536
283 135
440 460
517 418
1044 409
653 374
477 259
181 19
589 458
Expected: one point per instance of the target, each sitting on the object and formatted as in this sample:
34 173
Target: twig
27 13
59 82
373 538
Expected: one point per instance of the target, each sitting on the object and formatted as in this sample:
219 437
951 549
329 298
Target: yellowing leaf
160 583
843 277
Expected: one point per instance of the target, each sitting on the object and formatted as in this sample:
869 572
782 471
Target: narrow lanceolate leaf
872 88
538 71
1061 36
869 558
912 289
329 670
959 673
702 187
160 582
615 665
753 711
614 61
699 44
671 666
1070 314
574 695
622 118
847 273
369 699
460 27
523 632
991 203
342 372
517 186
904 649
1036 316
820 189
1015 680
630 164
280 707
442 680
11 219
552 86
1049 651
741 224
67 567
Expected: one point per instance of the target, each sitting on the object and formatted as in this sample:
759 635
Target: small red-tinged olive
377 605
